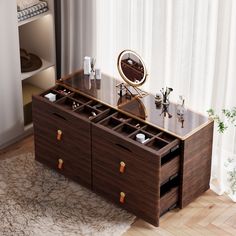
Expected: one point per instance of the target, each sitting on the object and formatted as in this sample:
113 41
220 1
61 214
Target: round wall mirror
131 68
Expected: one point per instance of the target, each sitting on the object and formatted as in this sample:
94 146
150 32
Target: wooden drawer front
73 139
170 168
137 171
140 168
73 165
56 112
134 200
74 145
169 200
140 179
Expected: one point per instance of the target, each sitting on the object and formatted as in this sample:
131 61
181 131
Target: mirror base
123 86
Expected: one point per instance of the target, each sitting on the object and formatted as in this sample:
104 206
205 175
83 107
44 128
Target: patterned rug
36 201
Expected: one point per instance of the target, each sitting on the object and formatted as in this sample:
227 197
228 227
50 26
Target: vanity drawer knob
122 167
60 164
59 134
122 197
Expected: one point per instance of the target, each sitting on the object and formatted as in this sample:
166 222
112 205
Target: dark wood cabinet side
196 164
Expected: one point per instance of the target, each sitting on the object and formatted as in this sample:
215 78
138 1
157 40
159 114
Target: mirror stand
122 86
133 71
140 92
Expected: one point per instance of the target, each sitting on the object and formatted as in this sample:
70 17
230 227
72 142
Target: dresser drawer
73 165
56 112
169 201
57 137
139 180
170 166
135 199
141 166
169 195
62 134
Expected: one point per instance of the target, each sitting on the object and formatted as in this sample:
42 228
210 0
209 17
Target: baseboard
28 130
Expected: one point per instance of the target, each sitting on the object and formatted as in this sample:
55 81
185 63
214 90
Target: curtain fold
78 33
187 44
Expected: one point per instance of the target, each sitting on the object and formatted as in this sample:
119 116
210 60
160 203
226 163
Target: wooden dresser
89 135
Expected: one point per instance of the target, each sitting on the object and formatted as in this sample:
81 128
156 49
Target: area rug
37 201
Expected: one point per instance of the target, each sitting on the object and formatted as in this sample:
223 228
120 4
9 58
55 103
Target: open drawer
125 165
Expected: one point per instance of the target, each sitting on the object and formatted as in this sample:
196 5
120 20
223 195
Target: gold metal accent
60 164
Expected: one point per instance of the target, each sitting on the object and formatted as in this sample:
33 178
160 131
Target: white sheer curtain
187 44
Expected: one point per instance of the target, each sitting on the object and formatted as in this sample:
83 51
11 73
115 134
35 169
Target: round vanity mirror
132 68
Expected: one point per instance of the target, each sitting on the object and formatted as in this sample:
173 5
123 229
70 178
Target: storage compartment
110 122
157 144
166 137
170 166
125 129
62 90
136 123
87 112
169 195
104 115
122 117
97 105
58 95
151 130
68 103
80 98
60 134
147 136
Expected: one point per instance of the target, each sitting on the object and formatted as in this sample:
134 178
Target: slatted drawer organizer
95 144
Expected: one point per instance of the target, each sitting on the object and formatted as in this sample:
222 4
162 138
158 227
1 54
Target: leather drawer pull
59 135
60 164
59 116
122 167
121 146
122 197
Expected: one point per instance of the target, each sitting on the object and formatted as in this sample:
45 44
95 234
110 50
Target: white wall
11 111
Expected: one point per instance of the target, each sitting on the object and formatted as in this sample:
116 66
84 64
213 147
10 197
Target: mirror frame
121 71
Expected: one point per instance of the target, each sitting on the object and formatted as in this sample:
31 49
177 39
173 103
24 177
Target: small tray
157 144
111 122
104 115
87 112
136 123
151 130
68 103
125 129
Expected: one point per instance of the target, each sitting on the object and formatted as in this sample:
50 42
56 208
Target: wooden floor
208 215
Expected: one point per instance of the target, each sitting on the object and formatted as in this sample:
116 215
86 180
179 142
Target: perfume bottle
180 106
87 65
